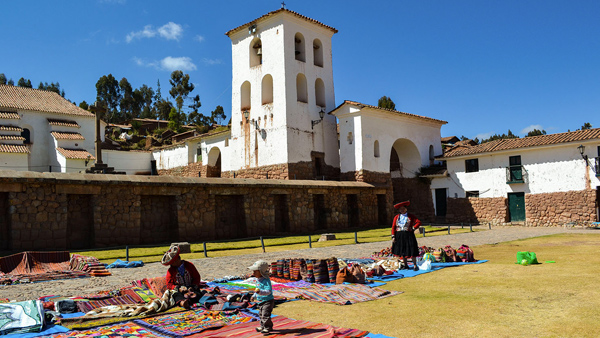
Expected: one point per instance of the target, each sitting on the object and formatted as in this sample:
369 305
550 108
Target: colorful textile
87 306
282 327
34 262
82 323
135 292
21 317
128 329
158 285
195 321
342 294
88 264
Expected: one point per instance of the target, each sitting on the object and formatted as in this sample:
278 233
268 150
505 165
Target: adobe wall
132 210
571 207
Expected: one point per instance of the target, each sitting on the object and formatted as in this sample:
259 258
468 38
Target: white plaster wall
556 168
10 161
219 142
131 162
386 128
171 157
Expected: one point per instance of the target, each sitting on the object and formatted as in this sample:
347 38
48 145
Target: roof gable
273 13
362 105
13 97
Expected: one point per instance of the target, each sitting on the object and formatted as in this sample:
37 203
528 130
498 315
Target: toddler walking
264 295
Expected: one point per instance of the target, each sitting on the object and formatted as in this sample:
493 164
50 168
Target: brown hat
402 204
170 255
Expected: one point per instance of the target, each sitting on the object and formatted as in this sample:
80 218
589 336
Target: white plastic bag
424 264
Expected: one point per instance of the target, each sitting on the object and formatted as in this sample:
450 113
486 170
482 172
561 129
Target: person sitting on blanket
183 277
264 295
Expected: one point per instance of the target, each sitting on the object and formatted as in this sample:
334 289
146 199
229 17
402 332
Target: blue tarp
125 264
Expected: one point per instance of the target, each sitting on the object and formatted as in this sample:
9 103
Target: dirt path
211 268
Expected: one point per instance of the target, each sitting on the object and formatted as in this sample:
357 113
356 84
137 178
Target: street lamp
246 114
581 149
315 122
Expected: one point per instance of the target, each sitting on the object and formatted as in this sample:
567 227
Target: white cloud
183 63
171 31
199 38
526 130
212 61
484 136
143 63
147 32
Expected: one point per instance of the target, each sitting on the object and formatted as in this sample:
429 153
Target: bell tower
282 90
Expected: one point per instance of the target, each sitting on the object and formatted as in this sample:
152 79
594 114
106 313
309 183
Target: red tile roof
14 148
13 97
281 10
62 135
526 142
9 115
5 127
79 154
362 105
63 123
11 138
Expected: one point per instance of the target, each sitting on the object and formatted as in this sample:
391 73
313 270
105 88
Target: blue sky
483 66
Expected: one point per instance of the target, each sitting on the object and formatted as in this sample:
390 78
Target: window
255 52
473 194
431 156
376 149
318 53
301 90
299 47
267 89
472 165
515 170
26 135
320 93
246 91
350 138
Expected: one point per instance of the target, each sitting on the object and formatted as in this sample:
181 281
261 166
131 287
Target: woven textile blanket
32 262
282 327
128 329
21 317
87 306
84 323
341 294
189 322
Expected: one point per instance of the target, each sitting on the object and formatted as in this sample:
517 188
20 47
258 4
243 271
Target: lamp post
246 114
315 122
581 149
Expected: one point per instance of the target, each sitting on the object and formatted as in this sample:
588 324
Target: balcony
516 174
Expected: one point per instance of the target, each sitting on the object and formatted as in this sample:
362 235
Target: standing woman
403 235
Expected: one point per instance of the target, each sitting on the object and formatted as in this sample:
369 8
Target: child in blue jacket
264 295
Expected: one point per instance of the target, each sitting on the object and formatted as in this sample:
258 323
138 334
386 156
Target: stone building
539 180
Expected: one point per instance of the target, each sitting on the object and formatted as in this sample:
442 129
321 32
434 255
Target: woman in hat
183 277
403 235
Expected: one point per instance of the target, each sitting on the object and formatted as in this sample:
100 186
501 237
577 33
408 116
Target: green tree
181 87
3 79
108 91
53 87
10 82
500 137
144 97
24 83
174 120
386 102
84 105
217 115
586 126
536 132
127 101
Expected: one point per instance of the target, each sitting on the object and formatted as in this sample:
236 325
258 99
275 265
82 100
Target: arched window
320 93
431 155
299 47
318 52
26 135
255 52
350 138
267 89
376 148
245 96
301 90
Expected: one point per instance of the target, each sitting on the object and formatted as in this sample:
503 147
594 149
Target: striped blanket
341 294
282 327
87 306
35 262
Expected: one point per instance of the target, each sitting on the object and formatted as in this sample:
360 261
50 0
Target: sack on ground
424 264
465 253
530 257
439 255
450 254
358 273
344 276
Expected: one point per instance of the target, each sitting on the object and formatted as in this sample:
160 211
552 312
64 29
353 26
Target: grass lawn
494 299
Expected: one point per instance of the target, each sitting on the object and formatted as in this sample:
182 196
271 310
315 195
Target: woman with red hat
183 277
403 235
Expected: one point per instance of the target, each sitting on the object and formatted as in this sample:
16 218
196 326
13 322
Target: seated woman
183 277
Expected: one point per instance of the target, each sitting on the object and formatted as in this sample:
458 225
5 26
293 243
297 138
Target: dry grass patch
494 299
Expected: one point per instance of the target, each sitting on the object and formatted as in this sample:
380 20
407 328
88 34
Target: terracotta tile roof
150 120
78 154
9 115
228 33
38 100
11 138
526 142
63 123
362 105
448 139
14 148
5 127
62 135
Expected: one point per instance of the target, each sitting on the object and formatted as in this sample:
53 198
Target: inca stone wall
571 207
477 210
130 210
418 192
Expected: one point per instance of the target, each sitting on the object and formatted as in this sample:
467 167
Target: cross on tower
283 5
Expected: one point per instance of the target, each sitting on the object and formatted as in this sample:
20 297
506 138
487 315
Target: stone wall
133 210
418 192
191 170
477 210
571 207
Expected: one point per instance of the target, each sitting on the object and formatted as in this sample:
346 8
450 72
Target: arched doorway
405 164
405 159
214 163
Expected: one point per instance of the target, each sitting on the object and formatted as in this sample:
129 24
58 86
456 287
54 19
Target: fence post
205 255
127 253
356 237
423 232
309 242
448 229
262 243
462 225
490 225
471 227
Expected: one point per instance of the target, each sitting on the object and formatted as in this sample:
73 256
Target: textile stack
320 271
88 264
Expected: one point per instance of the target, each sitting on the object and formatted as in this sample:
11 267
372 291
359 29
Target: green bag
527 256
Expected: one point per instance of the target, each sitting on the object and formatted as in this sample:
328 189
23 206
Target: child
264 295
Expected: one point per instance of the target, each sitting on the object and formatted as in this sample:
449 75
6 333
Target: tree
536 132
84 105
217 115
3 79
386 102
144 97
181 87
163 109
127 101
24 83
500 137
108 91
53 87
586 126
174 120
11 82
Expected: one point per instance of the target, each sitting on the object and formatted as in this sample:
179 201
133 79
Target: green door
516 206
